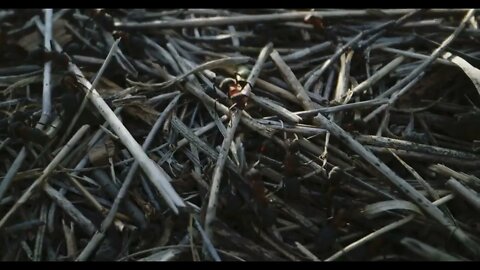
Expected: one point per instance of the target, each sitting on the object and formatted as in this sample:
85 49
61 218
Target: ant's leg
246 85
233 106
212 86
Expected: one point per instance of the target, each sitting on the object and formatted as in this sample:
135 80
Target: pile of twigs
239 135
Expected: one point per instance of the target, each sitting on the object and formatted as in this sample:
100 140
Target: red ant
102 18
20 125
59 59
71 82
234 89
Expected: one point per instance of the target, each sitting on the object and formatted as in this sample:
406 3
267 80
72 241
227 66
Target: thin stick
46 108
446 171
46 172
462 163
306 52
381 231
207 241
218 172
469 195
199 143
318 72
307 252
247 120
222 157
255 19
99 235
419 178
275 245
47 95
159 178
69 239
427 251
111 53
278 91
12 171
252 77
292 81
419 71
414 55
37 251
90 198
208 65
374 78
399 182
415 147
343 107
389 102
112 190
275 108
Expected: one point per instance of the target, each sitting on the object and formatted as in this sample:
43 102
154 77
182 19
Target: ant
234 89
71 83
131 44
265 215
59 59
102 18
71 99
121 34
20 125
289 165
321 25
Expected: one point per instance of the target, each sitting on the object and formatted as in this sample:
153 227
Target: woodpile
239 135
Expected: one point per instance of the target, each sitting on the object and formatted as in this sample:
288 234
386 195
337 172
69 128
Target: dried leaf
375 209
143 112
472 72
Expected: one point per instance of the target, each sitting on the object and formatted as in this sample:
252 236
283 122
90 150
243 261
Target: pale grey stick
99 235
428 252
222 157
418 71
208 65
37 251
46 172
279 110
381 231
206 240
12 171
374 78
307 51
469 195
254 19
208 101
22 154
200 131
390 101
255 72
72 123
318 72
399 183
292 81
84 223
417 147
280 92
343 77
414 55
46 94
159 178
430 190
218 172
